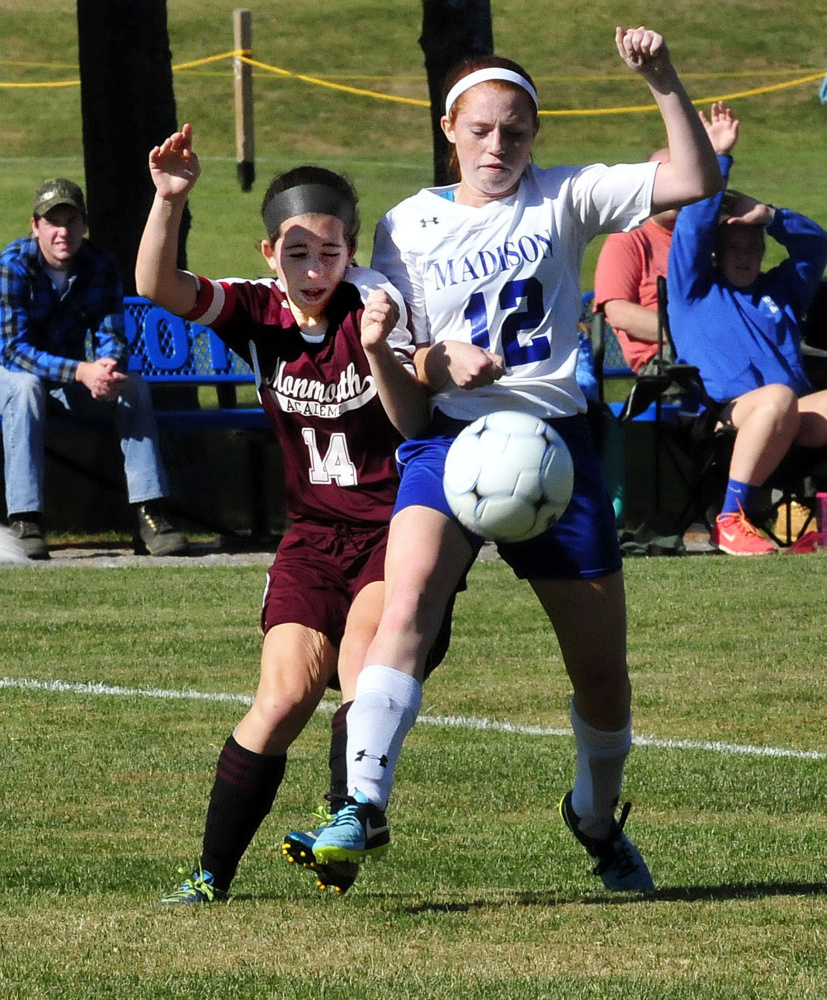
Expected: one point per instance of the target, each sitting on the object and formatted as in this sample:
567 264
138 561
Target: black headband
307 199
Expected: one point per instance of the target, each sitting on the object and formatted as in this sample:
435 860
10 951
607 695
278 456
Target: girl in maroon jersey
332 357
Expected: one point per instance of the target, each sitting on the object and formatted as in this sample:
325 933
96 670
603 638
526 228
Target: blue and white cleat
298 849
358 831
619 863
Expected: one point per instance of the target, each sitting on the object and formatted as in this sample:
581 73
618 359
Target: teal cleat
298 849
198 888
358 831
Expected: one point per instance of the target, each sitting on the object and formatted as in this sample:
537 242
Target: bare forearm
431 365
402 396
692 172
638 321
157 275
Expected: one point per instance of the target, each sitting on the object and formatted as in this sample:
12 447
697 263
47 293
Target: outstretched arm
174 169
692 171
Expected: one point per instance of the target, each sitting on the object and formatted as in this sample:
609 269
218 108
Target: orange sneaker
736 536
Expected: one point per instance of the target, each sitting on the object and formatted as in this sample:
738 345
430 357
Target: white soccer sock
600 759
384 710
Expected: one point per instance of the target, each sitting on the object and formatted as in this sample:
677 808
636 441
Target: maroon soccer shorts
318 571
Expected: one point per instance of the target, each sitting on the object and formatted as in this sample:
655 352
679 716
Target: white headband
483 75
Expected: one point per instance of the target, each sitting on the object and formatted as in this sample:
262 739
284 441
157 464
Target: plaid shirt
44 331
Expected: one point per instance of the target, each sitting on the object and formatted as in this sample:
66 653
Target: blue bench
167 350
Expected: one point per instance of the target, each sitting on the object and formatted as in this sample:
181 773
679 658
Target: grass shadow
670 894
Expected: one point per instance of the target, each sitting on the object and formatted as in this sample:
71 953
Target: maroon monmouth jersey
321 399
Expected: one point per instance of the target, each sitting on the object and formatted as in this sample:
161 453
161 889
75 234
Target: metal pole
243 86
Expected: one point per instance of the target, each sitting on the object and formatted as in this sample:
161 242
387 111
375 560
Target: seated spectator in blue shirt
56 292
741 328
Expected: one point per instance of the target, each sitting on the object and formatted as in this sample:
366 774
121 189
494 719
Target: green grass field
110 711
484 894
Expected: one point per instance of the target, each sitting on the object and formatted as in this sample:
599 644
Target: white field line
446 721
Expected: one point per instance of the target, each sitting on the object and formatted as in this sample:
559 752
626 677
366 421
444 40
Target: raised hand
744 210
722 127
173 165
644 51
380 316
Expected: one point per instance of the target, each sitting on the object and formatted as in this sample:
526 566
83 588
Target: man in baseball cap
58 191
58 295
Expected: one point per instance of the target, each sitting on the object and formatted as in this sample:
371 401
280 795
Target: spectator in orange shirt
626 281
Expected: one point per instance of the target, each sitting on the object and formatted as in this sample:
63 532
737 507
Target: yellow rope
701 100
234 54
29 86
335 86
243 55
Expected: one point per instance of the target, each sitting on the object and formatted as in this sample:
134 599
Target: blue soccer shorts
581 545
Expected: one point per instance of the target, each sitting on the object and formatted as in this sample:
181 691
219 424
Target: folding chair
660 381
663 374
604 424
694 443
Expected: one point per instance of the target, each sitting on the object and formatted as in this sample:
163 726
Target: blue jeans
25 402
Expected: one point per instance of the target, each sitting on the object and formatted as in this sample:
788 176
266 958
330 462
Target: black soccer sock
243 794
338 758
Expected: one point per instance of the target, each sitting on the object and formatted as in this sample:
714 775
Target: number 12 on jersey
527 294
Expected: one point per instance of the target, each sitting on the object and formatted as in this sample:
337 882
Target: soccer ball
508 476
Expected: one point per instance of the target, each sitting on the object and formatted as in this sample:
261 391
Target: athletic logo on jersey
427 222
768 303
383 760
312 397
509 255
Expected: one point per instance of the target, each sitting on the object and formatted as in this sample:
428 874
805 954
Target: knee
410 608
781 403
603 695
283 704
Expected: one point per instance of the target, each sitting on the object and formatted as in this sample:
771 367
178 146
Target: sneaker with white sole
734 534
619 862
358 832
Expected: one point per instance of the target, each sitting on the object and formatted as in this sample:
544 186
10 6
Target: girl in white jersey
492 265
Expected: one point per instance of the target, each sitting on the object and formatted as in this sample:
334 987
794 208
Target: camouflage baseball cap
58 191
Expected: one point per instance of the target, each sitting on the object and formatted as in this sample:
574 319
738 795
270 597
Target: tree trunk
127 106
451 30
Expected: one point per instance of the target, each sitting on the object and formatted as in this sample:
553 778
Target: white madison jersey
506 276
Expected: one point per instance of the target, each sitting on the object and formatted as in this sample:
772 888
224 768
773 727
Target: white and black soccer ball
508 476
